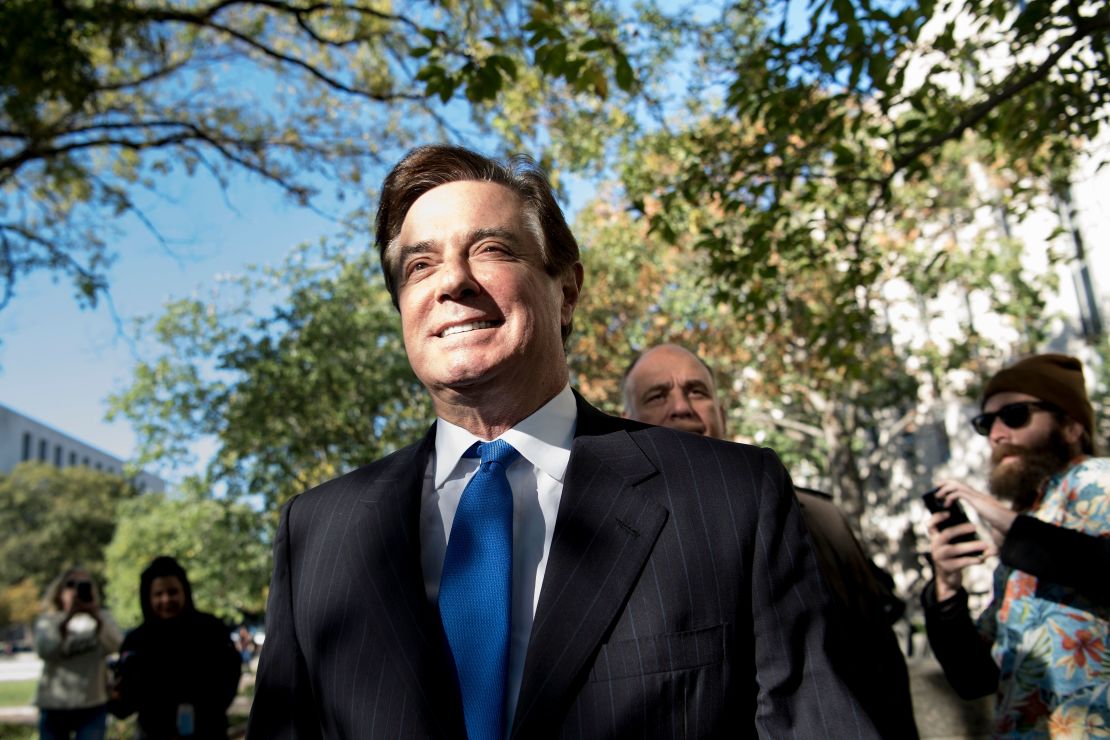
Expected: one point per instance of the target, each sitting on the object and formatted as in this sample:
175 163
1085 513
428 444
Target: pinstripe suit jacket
681 599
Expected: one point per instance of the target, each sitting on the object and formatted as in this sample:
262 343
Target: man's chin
1018 478
459 382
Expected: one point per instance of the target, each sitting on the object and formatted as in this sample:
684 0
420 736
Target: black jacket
185 660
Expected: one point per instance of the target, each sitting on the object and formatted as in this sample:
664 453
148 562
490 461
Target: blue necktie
476 588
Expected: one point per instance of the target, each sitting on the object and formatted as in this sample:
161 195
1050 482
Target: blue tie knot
498 451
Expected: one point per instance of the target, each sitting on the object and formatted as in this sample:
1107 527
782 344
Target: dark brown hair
427 167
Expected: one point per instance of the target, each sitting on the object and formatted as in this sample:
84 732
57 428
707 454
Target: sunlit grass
17 732
17 693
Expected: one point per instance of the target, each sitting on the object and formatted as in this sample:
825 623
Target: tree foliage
101 100
822 122
54 518
19 603
313 387
842 379
221 544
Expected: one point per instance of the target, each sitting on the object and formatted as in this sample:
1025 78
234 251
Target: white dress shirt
536 477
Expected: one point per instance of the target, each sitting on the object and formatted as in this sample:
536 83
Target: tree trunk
843 467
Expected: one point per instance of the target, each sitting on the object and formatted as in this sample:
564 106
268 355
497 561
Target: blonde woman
74 636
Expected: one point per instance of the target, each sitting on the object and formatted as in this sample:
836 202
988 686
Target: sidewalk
940 713
29 716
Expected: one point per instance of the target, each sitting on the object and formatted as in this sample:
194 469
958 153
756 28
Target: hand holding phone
955 512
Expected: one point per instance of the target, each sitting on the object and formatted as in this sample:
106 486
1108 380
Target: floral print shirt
1050 642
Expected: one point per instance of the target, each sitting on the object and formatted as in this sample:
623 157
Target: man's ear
724 420
1073 432
572 288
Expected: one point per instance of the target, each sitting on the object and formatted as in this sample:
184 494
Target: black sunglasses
1013 415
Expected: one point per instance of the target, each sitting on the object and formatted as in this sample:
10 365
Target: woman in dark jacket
179 669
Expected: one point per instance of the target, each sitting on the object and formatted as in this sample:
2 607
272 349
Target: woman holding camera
74 637
178 669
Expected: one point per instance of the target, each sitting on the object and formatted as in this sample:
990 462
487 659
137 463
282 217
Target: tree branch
807 429
980 110
206 18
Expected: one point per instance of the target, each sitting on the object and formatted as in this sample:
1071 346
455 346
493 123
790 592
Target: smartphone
84 592
956 514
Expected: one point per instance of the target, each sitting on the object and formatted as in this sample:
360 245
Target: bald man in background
669 386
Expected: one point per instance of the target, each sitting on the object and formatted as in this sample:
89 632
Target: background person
585 576
74 637
244 641
1043 641
670 386
179 668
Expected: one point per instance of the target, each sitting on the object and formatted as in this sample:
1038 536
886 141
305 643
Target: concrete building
23 438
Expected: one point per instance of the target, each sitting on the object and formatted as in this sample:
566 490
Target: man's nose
999 432
680 405
456 280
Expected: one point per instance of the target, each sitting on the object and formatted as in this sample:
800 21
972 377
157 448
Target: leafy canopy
103 100
821 122
54 518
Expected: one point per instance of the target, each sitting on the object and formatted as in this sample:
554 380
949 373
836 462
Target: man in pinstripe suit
662 583
671 386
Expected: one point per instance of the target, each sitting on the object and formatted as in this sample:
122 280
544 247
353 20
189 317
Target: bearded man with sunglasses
1042 644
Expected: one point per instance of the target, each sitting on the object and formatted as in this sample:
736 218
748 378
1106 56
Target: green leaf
625 77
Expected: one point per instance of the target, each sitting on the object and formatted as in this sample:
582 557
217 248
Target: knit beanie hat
1057 379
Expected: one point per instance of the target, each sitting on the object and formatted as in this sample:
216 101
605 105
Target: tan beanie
1057 379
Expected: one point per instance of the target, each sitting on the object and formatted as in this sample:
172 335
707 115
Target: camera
956 514
85 592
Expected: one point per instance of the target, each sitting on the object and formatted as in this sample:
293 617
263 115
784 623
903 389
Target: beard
1020 481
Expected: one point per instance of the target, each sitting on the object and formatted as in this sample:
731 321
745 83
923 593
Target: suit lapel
604 533
389 561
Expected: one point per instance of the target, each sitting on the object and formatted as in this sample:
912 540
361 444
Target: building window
57 456
43 446
72 459
26 446
98 466
85 461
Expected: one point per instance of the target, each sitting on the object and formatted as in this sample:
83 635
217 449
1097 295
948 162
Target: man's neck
489 414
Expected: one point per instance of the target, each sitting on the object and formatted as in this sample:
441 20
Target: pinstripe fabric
681 599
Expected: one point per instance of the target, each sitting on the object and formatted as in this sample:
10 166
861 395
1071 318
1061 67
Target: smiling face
479 314
167 597
670 387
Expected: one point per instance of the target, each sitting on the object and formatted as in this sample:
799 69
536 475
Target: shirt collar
544 438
